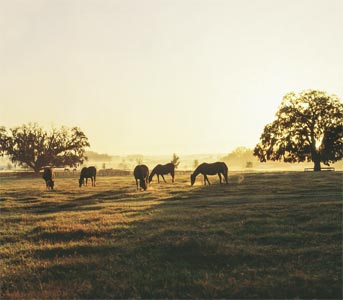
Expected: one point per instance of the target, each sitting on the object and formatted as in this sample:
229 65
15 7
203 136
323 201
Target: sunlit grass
268 235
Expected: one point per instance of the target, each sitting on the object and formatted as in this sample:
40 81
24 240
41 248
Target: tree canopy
31 146
3 140
308 127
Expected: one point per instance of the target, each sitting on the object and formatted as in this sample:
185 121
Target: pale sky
164 76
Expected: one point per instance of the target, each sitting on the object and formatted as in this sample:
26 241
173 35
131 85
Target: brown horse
210 169
48 176
141 173
89 172
163 170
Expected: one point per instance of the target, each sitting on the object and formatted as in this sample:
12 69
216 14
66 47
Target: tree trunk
37 170
317 167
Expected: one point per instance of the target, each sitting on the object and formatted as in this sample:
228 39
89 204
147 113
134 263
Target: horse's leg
163 178
158 178
86 181
220 178
225 177
206 179
173 176
137 183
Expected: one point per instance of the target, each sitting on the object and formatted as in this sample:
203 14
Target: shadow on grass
76 250
230 241
83 203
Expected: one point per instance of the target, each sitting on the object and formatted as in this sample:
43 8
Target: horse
163 170
48 175
141 173
210 169
89 172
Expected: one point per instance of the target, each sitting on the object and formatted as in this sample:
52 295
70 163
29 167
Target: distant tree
195 163
123 165
240 153
136 158
31 146
249 164
308 127
3 140
99 157
175 160
139 160
239 157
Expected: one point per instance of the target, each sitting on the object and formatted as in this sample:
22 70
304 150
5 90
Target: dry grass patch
264 235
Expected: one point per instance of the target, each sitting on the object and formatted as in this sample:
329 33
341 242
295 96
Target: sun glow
157 77
319 143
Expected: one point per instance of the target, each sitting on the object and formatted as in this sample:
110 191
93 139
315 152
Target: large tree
3 140
31 146
308 127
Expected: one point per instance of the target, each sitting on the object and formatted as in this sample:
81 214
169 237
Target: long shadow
208 242
85 203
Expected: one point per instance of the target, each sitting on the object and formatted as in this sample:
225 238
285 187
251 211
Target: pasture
264 235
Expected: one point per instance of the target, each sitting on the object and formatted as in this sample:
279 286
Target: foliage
239 157
249 164
175 160
256 238
33 147
136 158
3 140
99 157
308 127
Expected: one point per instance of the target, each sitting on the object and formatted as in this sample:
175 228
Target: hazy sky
157 77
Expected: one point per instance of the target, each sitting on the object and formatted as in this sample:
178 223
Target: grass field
264 235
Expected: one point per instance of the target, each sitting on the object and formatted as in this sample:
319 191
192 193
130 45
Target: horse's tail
225 171
172 172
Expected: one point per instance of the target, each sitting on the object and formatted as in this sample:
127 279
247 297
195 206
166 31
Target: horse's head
150 178
81 181
192 179
142 184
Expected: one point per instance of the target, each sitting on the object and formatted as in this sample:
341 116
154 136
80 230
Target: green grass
264 235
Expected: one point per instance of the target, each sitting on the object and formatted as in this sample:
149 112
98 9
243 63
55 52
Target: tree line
308 127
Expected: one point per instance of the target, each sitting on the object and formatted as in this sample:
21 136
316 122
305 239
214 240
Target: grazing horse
141 173
210 169
48 175
89 172
162 170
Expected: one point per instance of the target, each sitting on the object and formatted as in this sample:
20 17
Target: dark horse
210 169
141 173
89 172
48 175
162 170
